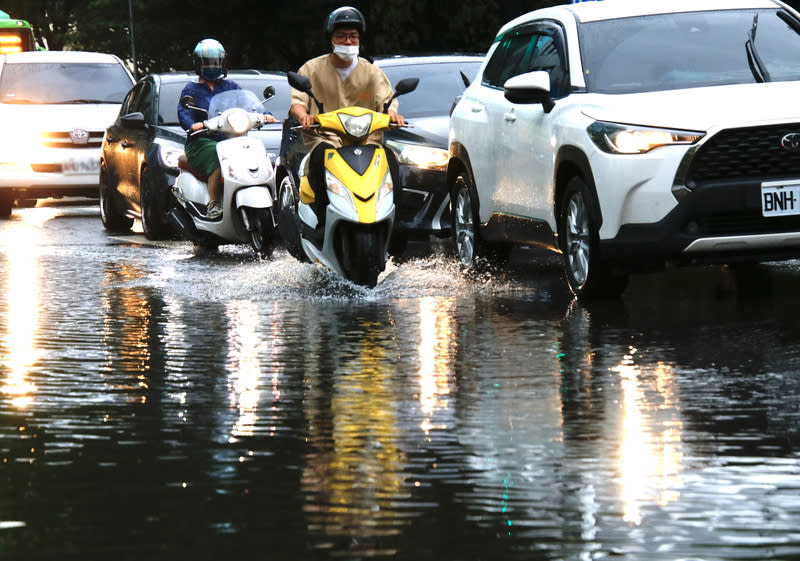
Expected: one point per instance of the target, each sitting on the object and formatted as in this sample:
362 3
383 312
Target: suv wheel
471 250
153 199
111 215
586 274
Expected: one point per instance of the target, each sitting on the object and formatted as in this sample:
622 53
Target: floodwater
159 404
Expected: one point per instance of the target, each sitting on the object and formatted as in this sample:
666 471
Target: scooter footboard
256 196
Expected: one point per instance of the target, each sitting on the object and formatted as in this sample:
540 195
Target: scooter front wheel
263 235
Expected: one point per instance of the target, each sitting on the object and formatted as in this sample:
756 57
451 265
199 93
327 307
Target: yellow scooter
360 212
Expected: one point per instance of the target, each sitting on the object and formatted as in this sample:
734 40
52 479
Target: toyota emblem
81 136
791 141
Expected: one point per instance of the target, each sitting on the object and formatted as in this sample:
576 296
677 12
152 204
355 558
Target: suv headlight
418 155
356 126
618 138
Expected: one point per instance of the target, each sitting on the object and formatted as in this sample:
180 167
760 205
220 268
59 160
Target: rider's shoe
213 211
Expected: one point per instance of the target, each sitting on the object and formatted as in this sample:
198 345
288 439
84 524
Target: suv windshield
688 50
58 82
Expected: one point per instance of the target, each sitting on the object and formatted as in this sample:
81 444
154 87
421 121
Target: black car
139 161
422 200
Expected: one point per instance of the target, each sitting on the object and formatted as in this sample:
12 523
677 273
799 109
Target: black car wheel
586 274
114 219
154 197
288 221
6 202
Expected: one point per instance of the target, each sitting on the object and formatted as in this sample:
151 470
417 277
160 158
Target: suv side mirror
530 88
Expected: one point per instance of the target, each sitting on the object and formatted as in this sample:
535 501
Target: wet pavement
160 404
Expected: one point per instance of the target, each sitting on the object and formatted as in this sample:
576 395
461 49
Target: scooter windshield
243 99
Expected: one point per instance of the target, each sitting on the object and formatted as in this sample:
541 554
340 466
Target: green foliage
267 34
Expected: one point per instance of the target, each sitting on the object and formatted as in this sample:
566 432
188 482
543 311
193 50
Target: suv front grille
750 153
63 140
744 224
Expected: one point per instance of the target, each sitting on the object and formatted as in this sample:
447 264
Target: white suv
628 134
54 110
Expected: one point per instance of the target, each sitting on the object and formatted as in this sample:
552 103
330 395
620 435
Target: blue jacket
202 95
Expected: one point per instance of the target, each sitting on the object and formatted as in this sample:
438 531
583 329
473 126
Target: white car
628 134
54 109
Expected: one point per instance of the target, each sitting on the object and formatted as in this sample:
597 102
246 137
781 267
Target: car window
278 105
170 93
142 101
59 82
686 50
548 54
510 58
439 84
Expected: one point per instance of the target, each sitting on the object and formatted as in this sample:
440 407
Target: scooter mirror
269 92
299 82
187 101
406 85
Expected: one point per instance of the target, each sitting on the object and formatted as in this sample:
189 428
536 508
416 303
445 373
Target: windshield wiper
760 72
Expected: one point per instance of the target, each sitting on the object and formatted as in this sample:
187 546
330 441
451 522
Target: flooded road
158 404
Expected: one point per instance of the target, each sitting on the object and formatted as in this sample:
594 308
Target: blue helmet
210 59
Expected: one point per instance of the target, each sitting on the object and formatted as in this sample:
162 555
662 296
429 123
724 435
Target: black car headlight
168 156
418 155
619 138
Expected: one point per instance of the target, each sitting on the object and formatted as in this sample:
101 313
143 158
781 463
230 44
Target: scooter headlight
357 127
239 121
385 202
340 197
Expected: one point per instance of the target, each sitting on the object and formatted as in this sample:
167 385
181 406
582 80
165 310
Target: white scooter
247 177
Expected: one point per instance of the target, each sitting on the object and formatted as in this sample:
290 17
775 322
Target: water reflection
353 475
435 357
651 454
21 247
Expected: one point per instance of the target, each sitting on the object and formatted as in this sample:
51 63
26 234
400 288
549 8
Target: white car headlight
239 121
357 127
418 155
618 138
168 156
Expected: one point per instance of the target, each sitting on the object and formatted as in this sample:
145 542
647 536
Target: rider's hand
197 126
268 118
396 118
307 120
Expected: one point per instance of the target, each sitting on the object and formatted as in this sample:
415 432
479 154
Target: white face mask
345 52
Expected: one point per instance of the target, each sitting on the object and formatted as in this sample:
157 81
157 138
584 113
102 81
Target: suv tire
470 249
587 275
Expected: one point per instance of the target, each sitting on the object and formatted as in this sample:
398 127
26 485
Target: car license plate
79 166
779 198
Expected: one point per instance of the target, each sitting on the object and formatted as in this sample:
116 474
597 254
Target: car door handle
477 107
509 116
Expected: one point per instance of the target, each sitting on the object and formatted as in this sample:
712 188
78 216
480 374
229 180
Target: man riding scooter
211 65
339 79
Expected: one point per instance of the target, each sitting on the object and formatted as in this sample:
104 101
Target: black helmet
345 16
210 59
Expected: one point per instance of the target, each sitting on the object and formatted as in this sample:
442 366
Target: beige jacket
366 86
